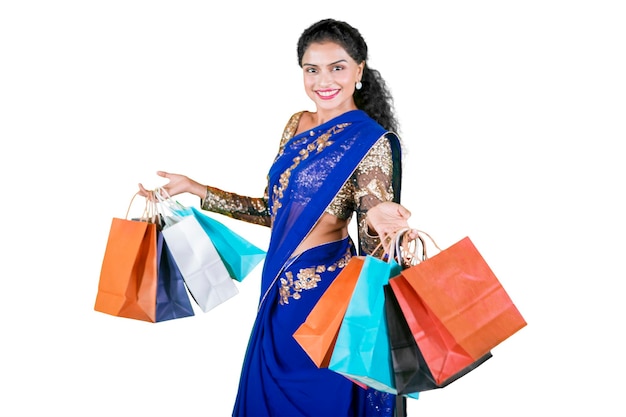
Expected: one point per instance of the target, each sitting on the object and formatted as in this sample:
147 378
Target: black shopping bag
411 372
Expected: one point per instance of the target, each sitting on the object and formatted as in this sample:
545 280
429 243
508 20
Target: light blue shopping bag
362 351
239 255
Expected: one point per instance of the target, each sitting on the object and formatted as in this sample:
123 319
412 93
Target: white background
512 115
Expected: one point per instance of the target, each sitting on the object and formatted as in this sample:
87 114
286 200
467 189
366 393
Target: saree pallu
278 377
307 174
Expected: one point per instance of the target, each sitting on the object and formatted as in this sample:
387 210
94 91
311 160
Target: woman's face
330 75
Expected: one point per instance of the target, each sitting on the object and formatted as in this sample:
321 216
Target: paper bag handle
149 214
407 252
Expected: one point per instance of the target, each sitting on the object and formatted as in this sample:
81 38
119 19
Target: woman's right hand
177 184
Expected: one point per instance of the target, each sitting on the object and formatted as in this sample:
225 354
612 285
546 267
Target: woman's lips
327 94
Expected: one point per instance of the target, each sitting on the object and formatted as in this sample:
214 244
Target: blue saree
278 378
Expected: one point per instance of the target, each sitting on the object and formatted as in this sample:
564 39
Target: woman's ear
359 74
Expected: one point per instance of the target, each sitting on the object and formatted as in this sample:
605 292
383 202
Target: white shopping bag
203 270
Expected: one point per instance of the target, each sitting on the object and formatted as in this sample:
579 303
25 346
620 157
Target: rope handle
429 238
391 250
166 200
150 213
408 252
171 210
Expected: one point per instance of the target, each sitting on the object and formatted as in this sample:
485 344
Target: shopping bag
172 300
128 276
239 255
319 331
410 370
139 278
362 352
459 289
203 271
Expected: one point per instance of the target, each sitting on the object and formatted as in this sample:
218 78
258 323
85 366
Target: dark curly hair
374 97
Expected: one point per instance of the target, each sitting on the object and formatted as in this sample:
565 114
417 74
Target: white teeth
326 93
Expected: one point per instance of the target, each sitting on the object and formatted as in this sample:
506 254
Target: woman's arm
249 209
378 216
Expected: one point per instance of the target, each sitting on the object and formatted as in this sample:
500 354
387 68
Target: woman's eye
311 70
337 68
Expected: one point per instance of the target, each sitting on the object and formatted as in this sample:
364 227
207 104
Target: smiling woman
340 160
331 77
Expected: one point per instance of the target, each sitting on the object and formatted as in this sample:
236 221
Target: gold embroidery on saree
317 146
306 279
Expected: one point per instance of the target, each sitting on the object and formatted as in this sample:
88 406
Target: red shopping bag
459 308
410 370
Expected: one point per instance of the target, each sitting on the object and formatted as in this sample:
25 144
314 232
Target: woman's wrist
199 190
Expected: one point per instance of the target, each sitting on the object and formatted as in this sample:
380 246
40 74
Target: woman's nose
326 78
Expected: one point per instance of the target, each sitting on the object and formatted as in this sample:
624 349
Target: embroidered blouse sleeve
373 184
250 209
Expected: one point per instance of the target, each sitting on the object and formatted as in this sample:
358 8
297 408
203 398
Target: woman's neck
322 116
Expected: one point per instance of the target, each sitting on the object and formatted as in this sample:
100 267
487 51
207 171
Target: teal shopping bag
239 255
362 351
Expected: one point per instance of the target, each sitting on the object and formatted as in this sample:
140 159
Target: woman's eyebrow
332 63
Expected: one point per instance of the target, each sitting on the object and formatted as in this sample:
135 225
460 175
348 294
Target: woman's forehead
325 53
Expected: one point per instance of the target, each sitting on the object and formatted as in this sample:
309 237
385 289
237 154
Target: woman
340 160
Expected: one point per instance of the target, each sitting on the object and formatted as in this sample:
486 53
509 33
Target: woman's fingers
404 212
142 191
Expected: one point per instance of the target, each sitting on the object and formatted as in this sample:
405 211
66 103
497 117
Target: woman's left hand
387 218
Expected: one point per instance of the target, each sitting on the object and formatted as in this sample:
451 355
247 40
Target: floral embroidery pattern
306 279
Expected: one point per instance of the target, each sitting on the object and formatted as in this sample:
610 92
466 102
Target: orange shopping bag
318 333
128 277
129 273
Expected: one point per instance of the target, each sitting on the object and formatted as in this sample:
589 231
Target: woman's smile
328 94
